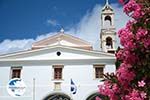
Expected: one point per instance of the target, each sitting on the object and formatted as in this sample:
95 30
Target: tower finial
107 2
62 29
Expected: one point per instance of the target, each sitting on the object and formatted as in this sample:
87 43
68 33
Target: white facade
78 65
37 68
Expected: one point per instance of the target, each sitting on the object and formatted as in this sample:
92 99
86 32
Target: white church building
62 67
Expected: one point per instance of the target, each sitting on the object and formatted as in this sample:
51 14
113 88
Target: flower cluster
109 89
133 9
132 78
125 75
136 95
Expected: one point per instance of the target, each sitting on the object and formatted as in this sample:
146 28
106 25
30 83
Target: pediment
50 53
64 40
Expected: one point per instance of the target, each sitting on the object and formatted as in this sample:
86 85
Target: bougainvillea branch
132 78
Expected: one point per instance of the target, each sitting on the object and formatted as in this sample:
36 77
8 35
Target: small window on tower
16 72
58 72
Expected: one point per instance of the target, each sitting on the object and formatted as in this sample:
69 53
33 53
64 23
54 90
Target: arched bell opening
107 22
109 42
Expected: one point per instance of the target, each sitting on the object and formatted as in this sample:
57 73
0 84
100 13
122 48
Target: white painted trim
52 62
54 48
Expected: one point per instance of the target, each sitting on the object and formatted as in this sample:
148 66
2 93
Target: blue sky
28 18
23 22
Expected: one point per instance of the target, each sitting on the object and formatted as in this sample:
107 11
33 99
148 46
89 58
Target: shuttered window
16 72
58 72
99 71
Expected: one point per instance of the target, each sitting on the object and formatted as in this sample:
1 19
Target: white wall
82 75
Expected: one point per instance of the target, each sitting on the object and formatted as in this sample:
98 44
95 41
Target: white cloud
8 46
89 26
40 37
88 29
52 22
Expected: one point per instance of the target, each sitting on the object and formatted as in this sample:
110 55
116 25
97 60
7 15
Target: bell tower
108 34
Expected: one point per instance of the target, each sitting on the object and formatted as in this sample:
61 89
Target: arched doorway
57 96
93 96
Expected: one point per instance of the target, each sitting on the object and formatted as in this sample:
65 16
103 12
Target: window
58 72
99 71
16 72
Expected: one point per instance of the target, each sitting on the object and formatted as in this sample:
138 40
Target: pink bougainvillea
131 80
141 83
97 98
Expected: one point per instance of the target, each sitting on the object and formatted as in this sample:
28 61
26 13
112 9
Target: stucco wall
82 75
